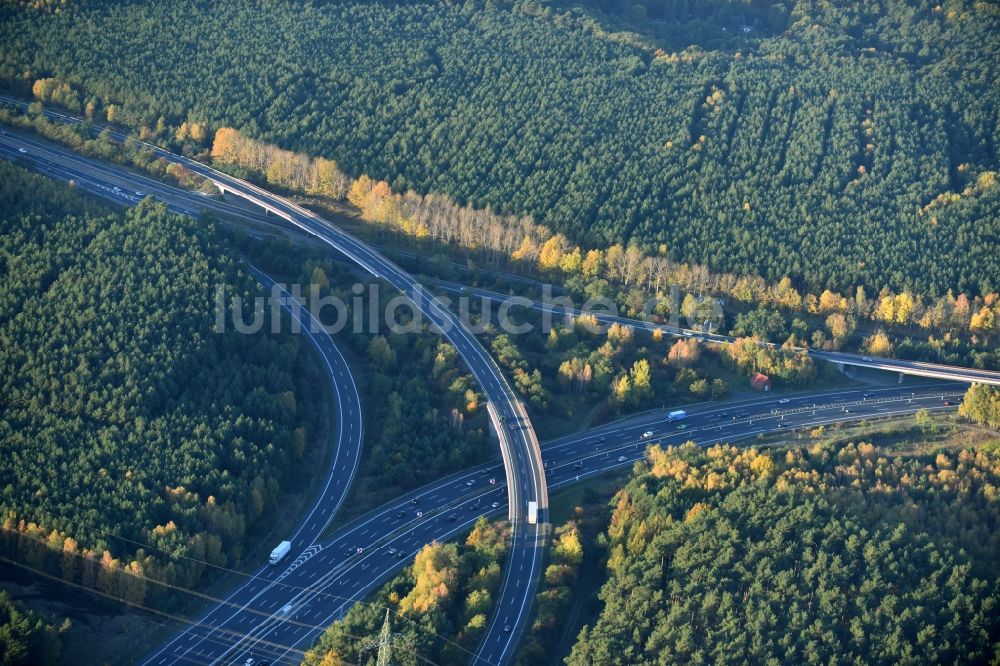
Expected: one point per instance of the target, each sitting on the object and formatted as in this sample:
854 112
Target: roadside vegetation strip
839 310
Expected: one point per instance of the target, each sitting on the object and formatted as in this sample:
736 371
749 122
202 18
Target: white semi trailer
279 553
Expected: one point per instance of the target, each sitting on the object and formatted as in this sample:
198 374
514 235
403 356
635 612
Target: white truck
532 513
676 415
279 553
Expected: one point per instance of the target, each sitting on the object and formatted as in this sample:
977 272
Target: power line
156 611
236 636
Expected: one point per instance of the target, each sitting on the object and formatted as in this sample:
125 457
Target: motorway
912 368
118 186
518 443
266 625
360 556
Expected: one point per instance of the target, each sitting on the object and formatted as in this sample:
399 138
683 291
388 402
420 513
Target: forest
135 437
982 405
837 144
959 329
26 638
834 552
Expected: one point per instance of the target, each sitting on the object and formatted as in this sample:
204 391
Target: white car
647 434
470 482
622 458
495 505
393 551
22 150
784 401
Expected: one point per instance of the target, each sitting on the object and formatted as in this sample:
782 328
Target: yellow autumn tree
831 302
592 263
787 295
225 147
622 388
552 252
571 262
526 251
360 190
684 353
878 344
983 321
904 307
435 570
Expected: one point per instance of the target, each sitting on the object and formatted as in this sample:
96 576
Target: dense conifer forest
831 553
135 438
836 143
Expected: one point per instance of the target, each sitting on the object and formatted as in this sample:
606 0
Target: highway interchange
518 443
280 610
358 557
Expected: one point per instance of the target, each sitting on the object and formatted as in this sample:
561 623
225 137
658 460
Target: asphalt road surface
521 478
287 618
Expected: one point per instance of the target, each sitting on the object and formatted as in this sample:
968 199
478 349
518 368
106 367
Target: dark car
452 518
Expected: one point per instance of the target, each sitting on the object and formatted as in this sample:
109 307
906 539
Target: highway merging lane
357 558
518 444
